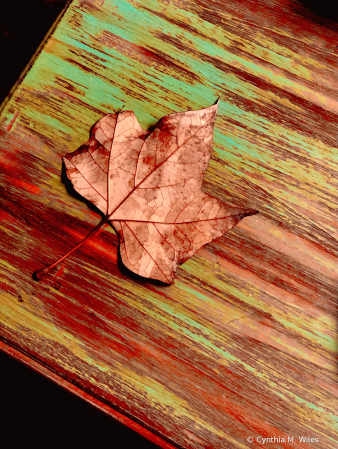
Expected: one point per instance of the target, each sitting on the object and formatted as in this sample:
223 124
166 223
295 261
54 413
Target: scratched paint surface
245 342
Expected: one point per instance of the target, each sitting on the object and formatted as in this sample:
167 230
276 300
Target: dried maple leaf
149 186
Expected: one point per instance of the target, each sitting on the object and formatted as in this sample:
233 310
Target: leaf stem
40 274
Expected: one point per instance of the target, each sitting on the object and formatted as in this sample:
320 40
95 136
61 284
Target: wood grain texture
245 342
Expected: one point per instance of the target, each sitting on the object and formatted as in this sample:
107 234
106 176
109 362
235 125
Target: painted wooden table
243 346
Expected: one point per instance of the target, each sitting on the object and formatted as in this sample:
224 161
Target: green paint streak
292 322
206 343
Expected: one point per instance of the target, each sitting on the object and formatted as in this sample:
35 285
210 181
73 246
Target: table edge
59 380
36 54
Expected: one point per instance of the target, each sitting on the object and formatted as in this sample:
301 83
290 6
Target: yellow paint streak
21 319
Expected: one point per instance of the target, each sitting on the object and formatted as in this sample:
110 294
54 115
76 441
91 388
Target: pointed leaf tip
248 213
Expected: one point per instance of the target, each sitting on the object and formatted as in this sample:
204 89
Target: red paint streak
36 366
215 399
107 252
93 244
11 123
27 186
4 216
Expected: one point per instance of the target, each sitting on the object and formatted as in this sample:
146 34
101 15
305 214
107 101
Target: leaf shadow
136 277
70 189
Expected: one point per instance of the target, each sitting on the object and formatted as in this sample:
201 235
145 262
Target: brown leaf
149 186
